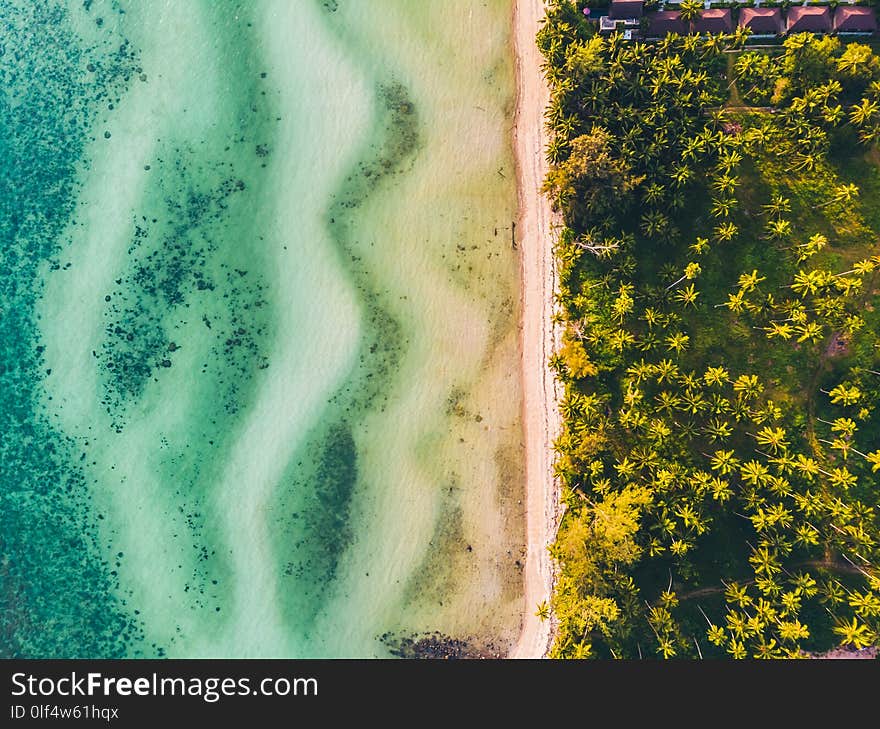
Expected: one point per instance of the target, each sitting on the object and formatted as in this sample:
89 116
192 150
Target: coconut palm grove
718 295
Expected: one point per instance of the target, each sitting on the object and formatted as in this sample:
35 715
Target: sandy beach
540 415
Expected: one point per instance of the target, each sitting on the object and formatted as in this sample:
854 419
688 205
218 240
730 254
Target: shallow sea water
260 390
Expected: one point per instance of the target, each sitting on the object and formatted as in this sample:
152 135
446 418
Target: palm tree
874 459
749 386
843 194
700 247
717 119
735 302
738 595
842 478
681 174
718 430
768 585
722 207
793 630
866 604
728 159
688 296
807 467
654 223
740 35
864 112
716 376
666 370
833 592
855 633
809 332
543 611
815 244
845 426
778 206
658 430
862 268
677 342
779 229
773 438
782 330
691 271
724 462
806 535
748 281
833 115
556 149
721 490
869 134
845 394
713 44
725 231
667 401
808 282
726 183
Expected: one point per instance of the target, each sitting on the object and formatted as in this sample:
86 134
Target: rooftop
809 19
855 19
625 9
664 22
714 20
762 21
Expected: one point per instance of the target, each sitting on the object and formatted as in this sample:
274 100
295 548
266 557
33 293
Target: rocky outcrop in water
437 645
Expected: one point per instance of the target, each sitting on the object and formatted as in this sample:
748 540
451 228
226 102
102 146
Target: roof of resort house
664 22
809 19
855 19
625 9
714 20
762 21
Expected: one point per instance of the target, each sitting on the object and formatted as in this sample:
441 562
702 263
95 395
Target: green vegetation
718 290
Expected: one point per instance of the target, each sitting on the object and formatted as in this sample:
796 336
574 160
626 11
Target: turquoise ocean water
259 377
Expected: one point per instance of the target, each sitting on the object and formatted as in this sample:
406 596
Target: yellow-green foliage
595 542
576 359
575 457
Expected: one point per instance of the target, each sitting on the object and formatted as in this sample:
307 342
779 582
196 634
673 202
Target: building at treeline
631 18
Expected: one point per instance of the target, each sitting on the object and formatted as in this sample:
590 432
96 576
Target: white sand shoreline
539 336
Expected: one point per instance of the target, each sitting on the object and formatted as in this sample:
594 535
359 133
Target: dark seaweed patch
319 529
442 565
438 645
170 270
384 343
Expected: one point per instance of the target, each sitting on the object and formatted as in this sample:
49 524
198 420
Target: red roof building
714 20
664 22
626 9
762 21
809 19
855 19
